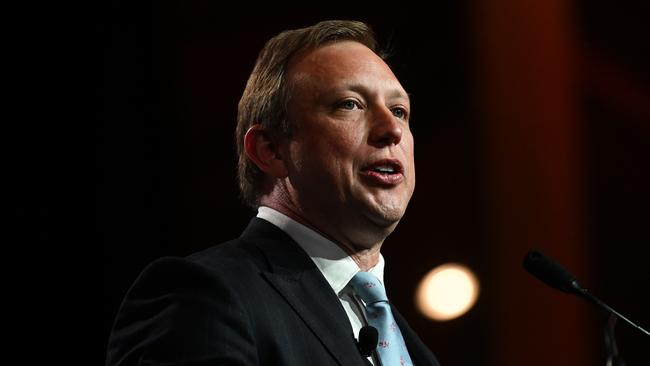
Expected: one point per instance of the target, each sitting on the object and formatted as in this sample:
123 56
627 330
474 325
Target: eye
399 112
349 104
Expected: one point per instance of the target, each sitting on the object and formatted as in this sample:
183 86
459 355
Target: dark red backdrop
532 131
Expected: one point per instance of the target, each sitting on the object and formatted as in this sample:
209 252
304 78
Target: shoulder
204 305
218 266
179 309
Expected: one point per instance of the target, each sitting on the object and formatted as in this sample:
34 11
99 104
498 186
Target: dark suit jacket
256 300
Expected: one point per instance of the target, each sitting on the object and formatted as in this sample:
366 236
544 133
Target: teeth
384 169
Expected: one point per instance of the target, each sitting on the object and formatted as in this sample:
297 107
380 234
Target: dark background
172 73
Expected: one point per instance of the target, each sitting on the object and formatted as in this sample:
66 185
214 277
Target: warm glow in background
447 292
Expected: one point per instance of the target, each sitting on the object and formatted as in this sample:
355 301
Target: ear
264 152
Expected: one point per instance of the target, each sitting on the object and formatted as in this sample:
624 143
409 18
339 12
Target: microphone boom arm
553 274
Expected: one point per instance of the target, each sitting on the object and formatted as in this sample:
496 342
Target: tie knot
368 288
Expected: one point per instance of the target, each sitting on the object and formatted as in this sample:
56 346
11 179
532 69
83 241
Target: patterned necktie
391 347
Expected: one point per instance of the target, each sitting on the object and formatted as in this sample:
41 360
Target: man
326 155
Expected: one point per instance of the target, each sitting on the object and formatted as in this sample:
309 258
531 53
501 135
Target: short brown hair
266 94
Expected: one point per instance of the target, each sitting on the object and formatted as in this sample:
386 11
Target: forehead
336 65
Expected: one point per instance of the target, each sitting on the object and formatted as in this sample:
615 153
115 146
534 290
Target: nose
385 128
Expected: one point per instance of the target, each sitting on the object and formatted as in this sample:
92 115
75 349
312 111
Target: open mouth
386 172
385 166
385 169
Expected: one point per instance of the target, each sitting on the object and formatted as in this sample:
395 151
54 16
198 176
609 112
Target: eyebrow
362 89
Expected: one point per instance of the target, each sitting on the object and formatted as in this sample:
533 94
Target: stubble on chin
388 207
385 215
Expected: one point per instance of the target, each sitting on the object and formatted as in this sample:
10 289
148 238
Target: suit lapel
294 275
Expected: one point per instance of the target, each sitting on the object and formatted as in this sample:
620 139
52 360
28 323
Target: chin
383 210
386 216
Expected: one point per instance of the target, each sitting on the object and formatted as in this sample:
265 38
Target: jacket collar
295 276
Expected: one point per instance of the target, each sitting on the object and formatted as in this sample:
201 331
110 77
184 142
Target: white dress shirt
334 263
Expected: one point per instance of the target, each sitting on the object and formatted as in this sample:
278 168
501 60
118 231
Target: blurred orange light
447 292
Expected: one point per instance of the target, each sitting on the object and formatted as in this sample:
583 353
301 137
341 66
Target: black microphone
368 338
553 274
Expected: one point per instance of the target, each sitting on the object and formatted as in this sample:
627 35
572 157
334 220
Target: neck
365 257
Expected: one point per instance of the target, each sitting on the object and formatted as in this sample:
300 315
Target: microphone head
550 272
368 338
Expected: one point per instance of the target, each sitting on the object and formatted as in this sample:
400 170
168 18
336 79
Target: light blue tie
391 347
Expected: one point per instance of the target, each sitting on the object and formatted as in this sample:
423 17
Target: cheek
341 143
347 135
328 148
407 145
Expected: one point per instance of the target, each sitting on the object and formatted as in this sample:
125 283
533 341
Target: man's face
350 159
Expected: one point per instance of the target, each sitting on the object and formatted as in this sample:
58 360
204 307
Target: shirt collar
335 264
